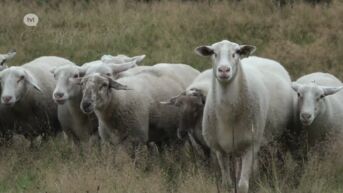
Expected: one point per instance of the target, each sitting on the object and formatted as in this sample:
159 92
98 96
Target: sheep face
191 105
97 92
15 82
68 80
226 57
310 100
5 57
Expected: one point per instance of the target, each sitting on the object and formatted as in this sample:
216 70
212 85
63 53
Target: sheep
3 119
319 106
80 127
128 109
242 110
121 58
77 126
26 97
5 57
191 103
108 65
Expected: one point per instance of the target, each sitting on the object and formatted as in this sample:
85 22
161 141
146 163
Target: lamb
242 110
26 97
191 103
80 127
128 109
319 106
5 57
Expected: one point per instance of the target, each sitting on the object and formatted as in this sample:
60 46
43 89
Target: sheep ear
138 59
10 54
117 68
116 85
246 50
173 100
32 80
6 57
204 50
295 86
330 90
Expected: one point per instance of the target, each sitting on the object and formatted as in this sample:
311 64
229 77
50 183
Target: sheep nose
306 116
6 99
224 69
59 95
86 106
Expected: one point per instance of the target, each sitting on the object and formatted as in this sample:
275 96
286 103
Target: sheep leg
196 146
247 166
223 161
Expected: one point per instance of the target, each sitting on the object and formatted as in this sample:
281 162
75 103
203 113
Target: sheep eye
21 78
108 74
104 85
321 96
233 55
75 76
299 95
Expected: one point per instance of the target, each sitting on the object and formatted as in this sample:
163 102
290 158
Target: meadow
303 37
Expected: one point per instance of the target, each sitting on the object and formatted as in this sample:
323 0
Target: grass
57 167
303 37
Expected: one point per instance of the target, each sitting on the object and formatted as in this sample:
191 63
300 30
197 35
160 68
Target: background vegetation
303 37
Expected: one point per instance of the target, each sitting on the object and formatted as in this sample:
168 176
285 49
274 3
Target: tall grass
55 167
303 37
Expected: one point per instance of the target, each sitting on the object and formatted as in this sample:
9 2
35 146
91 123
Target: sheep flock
227 113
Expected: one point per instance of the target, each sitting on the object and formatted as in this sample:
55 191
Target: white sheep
26 97
80 127
319 106
121 58
5 118
249 102
77 126
5 57
191 103
108 65
128 109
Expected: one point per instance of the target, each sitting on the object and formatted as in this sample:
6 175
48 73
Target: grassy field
303 37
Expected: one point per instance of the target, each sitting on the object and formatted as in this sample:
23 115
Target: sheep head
311 99
226 57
